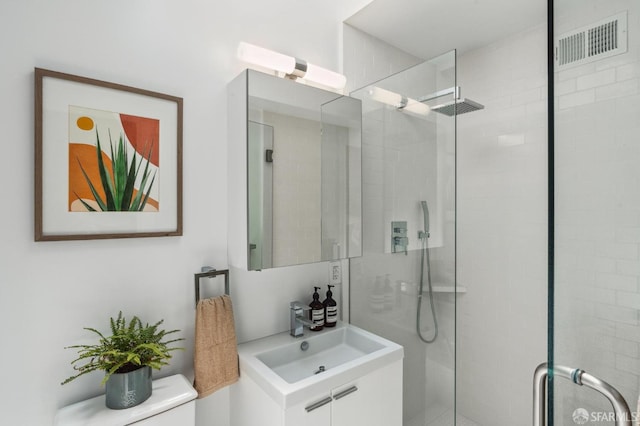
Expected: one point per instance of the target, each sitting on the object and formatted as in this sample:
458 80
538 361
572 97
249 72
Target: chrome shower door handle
581 378
540 394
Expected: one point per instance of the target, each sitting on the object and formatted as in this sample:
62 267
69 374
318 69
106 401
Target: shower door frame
550 206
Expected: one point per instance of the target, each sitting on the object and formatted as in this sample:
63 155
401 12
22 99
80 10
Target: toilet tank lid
168 393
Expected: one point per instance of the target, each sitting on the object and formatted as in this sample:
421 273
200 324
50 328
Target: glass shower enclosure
409 156
596 184
404 285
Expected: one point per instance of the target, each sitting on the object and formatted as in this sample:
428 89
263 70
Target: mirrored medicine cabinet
294 173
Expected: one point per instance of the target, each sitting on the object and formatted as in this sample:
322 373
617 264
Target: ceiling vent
599 40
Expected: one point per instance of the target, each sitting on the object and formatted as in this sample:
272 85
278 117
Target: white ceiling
427 28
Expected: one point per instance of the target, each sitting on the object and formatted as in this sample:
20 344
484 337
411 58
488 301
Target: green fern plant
132 345
118 183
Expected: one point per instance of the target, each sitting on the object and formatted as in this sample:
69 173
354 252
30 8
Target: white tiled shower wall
597 322
502 220
367 59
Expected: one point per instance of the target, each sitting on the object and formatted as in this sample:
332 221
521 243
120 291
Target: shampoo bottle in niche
316 314
376 298
388 294
330 309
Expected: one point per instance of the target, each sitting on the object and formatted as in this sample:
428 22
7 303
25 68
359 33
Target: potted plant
126 357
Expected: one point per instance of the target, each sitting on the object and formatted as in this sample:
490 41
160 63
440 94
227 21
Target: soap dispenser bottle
330 309
316 314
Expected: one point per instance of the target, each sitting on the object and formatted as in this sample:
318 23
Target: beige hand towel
216 351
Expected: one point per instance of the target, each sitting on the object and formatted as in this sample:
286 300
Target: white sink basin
290 374
326 350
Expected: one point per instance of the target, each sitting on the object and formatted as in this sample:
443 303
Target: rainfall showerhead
454 107
457 107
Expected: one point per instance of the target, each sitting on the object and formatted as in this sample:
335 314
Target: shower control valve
399 239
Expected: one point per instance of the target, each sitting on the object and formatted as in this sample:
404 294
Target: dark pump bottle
330 309
317 311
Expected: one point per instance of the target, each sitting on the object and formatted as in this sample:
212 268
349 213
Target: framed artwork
108 160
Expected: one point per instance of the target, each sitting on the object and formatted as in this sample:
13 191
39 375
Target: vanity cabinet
375 399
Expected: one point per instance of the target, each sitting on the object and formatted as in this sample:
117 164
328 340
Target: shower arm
455 91
579 377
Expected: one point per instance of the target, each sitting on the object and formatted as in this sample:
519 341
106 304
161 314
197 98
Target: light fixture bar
266 58
299 70
292 68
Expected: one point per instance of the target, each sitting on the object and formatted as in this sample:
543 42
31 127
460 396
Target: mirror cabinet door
303 173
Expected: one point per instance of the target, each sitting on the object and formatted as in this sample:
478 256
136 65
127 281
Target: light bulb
266 58
325 77
385 96
416 107
398 101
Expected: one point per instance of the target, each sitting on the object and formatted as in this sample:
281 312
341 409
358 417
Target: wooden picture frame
108 160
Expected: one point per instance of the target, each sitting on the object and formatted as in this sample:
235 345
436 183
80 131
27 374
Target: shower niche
294 173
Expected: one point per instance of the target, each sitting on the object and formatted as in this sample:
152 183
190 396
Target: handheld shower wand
424 236
425 211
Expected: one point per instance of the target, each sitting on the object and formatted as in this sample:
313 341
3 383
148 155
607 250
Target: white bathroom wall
502 218
50 290
597 302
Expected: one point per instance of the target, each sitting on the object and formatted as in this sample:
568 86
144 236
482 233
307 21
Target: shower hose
425 254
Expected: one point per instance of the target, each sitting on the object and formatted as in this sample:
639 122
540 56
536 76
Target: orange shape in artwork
78 187
143 133
85 123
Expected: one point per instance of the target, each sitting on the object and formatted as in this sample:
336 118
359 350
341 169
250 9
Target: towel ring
209 272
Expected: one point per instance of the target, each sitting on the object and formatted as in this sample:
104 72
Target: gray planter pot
125 390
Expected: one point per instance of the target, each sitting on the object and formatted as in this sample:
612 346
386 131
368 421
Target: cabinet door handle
345 392
318 404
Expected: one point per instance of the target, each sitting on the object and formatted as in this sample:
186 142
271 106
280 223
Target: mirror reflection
304 173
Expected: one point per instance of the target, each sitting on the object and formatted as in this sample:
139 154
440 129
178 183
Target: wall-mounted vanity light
292 67
398 101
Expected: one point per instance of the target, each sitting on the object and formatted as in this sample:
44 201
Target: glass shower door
596 299
404 286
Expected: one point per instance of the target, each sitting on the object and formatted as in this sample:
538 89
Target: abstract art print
99 147
113 161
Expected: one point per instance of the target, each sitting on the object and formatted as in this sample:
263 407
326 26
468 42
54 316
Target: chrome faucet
297 319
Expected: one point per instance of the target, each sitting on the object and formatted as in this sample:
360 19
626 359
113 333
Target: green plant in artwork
118 183
132 345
